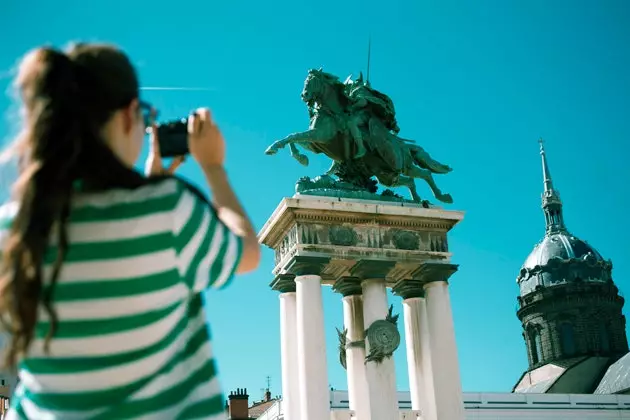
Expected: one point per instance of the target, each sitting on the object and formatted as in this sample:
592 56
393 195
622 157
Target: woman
102 268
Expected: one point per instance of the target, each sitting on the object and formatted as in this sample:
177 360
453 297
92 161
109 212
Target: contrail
198 89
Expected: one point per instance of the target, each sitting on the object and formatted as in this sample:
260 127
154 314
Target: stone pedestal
381 244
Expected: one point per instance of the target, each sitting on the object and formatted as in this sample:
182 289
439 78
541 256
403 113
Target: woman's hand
153 165
205 140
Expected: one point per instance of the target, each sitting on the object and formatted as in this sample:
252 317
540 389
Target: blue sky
475 83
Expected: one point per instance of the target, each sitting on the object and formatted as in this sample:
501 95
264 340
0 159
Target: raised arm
207 146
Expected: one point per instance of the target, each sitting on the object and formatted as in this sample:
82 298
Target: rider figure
361 96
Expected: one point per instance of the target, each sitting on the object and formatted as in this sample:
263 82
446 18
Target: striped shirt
131 340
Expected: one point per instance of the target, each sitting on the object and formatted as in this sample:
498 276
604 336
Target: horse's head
317 85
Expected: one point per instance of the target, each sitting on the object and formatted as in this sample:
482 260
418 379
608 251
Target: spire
545 168
551 202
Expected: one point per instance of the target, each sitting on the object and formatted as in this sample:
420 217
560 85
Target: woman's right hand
205 140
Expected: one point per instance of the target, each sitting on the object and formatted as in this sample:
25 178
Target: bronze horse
392 160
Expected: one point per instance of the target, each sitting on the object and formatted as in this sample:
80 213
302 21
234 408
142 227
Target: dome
561 245
561 258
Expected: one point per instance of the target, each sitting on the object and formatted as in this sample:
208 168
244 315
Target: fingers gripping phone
173 138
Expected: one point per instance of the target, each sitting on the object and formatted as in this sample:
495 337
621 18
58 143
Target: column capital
348 286
303 265
372 269
434 271
408 289
283 283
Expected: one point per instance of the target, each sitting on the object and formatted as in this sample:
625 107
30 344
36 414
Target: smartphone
173 138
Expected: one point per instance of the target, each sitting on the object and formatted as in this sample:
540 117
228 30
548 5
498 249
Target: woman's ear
130 116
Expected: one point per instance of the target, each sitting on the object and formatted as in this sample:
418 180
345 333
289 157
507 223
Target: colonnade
434 378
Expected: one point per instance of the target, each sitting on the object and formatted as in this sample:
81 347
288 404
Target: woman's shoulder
157 195
154 189
177 186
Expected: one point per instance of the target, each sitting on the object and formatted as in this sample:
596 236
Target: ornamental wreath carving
383 338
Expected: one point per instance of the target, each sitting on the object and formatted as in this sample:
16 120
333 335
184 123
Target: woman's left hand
153 165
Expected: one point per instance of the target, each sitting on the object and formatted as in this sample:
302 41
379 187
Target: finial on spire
546 173
551 203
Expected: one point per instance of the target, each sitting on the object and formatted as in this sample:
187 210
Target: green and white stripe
131 342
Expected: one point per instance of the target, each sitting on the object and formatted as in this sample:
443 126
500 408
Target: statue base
327 186
348 229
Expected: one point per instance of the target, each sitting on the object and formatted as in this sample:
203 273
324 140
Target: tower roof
559 257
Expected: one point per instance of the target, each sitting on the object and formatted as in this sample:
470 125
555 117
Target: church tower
569 307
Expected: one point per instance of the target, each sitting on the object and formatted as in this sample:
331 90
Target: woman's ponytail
52 131
67 100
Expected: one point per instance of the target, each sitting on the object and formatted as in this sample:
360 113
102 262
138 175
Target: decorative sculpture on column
383 337
344 344
343 341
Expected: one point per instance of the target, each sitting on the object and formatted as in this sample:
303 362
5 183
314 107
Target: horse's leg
415 172
401 181
295 153
332 168
301 137
321 134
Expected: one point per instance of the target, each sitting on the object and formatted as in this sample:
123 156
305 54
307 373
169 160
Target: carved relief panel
371 237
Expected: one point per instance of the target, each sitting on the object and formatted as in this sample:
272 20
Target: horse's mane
334 82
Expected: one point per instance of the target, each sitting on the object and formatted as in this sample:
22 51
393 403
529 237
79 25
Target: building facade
497 406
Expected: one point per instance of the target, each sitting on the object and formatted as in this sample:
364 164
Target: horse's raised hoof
303 159
271 151
445 198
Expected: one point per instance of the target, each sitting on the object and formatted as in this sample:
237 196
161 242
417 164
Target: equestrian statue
355 125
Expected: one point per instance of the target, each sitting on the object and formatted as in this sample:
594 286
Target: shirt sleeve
207 252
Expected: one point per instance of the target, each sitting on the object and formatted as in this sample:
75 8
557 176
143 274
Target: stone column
417 338
285 284
381 375
311 342
447 383
358 392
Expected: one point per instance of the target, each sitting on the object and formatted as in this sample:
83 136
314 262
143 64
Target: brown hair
67 99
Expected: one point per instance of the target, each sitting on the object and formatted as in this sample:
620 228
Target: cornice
327 210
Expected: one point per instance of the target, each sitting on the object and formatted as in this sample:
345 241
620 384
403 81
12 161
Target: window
535 346
567 339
